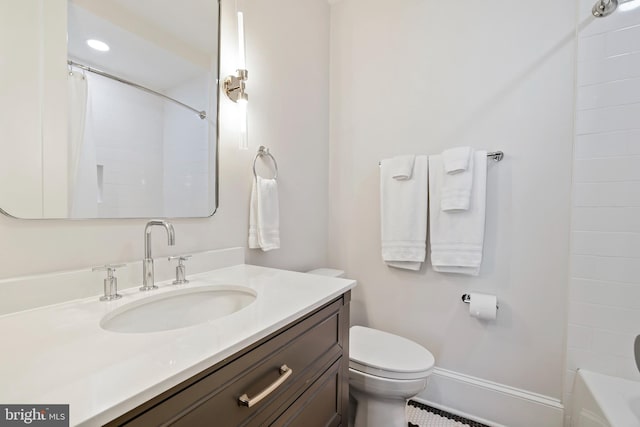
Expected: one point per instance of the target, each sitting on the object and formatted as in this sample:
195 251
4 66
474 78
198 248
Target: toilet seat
388 356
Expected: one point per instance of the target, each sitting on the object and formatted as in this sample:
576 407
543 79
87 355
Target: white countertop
60 355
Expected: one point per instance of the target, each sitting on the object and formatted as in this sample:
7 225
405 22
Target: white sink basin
178 309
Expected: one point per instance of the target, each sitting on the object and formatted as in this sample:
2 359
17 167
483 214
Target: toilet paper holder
466 298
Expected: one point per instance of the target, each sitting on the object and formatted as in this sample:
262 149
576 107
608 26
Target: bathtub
600 400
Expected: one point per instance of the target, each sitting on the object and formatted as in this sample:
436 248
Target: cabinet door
321 404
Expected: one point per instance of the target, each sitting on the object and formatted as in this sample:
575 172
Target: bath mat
421 415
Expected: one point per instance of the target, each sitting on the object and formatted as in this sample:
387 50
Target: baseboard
490 403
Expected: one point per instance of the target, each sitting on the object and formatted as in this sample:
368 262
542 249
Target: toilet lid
386 355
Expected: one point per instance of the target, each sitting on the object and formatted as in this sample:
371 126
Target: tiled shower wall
131 153
604 307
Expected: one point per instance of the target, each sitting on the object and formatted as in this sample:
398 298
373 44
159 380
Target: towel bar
264 151
495 155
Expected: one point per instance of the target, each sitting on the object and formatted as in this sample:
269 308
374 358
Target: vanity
281 359
238 344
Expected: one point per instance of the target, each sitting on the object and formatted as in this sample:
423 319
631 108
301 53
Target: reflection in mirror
128 102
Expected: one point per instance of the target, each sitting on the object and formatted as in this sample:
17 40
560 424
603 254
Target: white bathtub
600 400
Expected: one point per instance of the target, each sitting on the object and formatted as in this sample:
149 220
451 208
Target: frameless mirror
108 108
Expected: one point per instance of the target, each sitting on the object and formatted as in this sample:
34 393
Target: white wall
289 98
18 96
422 76
288 87
30 78
604 311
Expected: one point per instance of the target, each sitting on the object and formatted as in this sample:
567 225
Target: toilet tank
331 272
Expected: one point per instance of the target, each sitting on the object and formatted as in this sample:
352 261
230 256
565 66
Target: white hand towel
457 237
264 216
401 167
403 210
457 159
457 184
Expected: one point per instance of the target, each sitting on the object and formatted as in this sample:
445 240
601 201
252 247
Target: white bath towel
457 237
456 159
403 210
264 216
401 167
457 180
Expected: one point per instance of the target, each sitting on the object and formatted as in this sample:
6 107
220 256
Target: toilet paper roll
483 306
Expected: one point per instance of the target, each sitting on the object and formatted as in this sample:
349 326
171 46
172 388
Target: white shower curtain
82 165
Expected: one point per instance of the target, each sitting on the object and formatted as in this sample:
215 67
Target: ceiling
155 43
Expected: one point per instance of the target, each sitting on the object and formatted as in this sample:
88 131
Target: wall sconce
234 86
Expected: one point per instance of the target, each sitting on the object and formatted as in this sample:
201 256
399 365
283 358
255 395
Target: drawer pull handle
244 400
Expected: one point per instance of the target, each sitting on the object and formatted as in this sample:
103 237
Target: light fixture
234 87
98 45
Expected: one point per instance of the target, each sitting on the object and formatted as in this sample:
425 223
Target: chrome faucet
147 263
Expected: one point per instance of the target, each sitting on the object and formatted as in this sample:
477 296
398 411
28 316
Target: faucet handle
110 282
181 270
109 268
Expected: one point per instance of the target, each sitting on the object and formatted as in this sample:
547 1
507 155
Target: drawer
321 405
306 347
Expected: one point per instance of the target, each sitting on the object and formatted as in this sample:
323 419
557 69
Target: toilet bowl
384 371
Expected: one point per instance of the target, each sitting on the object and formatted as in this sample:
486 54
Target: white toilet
384 371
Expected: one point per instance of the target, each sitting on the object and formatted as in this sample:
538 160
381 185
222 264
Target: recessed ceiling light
98 45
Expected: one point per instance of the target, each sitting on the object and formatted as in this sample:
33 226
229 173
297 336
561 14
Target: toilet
384 371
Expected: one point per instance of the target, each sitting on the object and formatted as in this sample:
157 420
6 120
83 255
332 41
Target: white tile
626 368
606 244
610 194
622 41
613 343
577 358
579 337
613 269
619 20
608 119
591 291
592 48
609 169
608 144
609 69
614 294
424 418
606 219
609 94
604 317
604 308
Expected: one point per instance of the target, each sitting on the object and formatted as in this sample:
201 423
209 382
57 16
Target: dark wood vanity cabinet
314 347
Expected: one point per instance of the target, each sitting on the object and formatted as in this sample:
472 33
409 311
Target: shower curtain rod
201 114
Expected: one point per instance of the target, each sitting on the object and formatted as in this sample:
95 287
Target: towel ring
264 151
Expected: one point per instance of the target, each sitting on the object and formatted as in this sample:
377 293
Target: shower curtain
82 165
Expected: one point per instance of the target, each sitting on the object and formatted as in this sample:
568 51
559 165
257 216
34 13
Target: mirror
108 108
